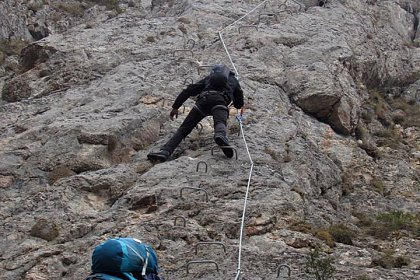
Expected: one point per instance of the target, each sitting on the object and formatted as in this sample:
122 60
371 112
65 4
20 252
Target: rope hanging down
238 271
239 118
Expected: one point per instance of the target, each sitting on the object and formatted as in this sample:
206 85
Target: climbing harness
239 118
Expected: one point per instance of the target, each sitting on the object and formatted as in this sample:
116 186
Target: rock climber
214 94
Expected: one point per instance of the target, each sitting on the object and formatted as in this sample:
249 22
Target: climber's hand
174 113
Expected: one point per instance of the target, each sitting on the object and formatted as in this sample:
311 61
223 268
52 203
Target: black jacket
233 90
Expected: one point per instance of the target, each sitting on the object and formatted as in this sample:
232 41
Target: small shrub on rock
335 233
397 220
319 267
341 234
388 261
326 237
364 219
409 114
389 222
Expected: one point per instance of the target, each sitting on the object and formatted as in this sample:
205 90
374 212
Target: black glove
173 113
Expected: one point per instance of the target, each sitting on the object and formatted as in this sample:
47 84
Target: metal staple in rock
239 118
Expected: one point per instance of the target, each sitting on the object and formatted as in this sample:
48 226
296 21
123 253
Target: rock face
332 125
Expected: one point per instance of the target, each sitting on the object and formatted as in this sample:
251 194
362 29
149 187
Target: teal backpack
125 257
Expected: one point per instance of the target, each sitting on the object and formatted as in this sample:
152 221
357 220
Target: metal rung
202 67
165 101
186 49
266 15
188 79
286 11
301 5
210 243
195 189
247 26
182 50
199 127
203 261
188 42
198 165
289 270
182 218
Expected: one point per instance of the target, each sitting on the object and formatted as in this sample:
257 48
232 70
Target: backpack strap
143 272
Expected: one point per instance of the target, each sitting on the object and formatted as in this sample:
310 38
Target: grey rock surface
332 124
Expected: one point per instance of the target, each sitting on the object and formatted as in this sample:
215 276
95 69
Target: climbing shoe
223 143
161 156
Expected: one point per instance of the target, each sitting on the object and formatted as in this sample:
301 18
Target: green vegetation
326 237
380 106
385 224
388 260
341 234
321 268
389 111
335 233
398 220
412 112
364 220
383 106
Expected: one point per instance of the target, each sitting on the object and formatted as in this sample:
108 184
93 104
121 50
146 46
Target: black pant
213 104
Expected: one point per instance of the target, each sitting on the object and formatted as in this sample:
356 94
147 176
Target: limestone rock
412 93
47 230
16 90
325 87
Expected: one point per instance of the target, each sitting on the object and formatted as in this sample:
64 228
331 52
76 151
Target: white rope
245 15
239 118
238 271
